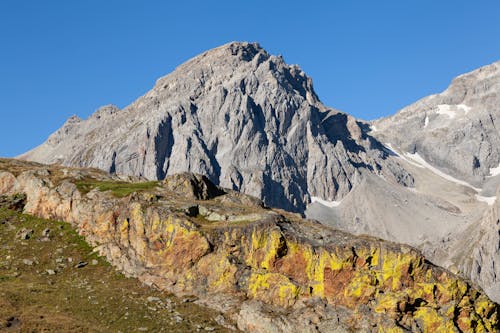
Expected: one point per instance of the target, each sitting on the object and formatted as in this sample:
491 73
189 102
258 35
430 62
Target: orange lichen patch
178 247
335 282
294 265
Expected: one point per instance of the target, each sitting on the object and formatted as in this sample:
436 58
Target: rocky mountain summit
265 270
242 117
427 176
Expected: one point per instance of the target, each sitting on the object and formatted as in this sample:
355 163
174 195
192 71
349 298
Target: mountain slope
454 135
449 143
242 117
475 251
457 130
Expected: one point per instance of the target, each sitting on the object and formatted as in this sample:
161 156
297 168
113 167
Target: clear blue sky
368 58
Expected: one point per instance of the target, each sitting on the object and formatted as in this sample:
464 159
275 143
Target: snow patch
464 107
326 203
451 110
445 109
391 149
374 128
495 171
418 159
489 200
426 121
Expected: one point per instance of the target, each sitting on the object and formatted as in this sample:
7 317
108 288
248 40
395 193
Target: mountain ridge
244 118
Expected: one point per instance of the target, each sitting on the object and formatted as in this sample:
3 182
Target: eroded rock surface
456 130
275 273
241 117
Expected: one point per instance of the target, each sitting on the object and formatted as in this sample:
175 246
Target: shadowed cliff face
240 116
271 271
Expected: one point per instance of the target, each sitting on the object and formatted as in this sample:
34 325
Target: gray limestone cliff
238 115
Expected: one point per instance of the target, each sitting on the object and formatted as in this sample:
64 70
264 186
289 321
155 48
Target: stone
50 272
215 217
15 202
24 234
192 186
28 262
278 272
153 299
46 232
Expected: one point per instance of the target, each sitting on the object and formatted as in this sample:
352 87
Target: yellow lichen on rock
276 260
138 235
124 231
431 321
265 245
361 288
387 303
396 269
219 272
273 288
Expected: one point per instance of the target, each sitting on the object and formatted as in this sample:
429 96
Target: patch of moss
118 189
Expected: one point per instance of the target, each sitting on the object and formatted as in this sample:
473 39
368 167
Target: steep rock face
238 115
275 272
456 130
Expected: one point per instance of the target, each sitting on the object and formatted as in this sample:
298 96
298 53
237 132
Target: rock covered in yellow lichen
317 276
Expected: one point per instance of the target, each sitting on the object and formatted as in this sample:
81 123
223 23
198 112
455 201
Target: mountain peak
244 50
244 118
230 54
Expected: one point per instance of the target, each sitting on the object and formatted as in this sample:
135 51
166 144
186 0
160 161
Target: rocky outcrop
241 117
271 271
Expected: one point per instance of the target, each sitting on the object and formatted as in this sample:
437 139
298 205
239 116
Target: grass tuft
118 189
